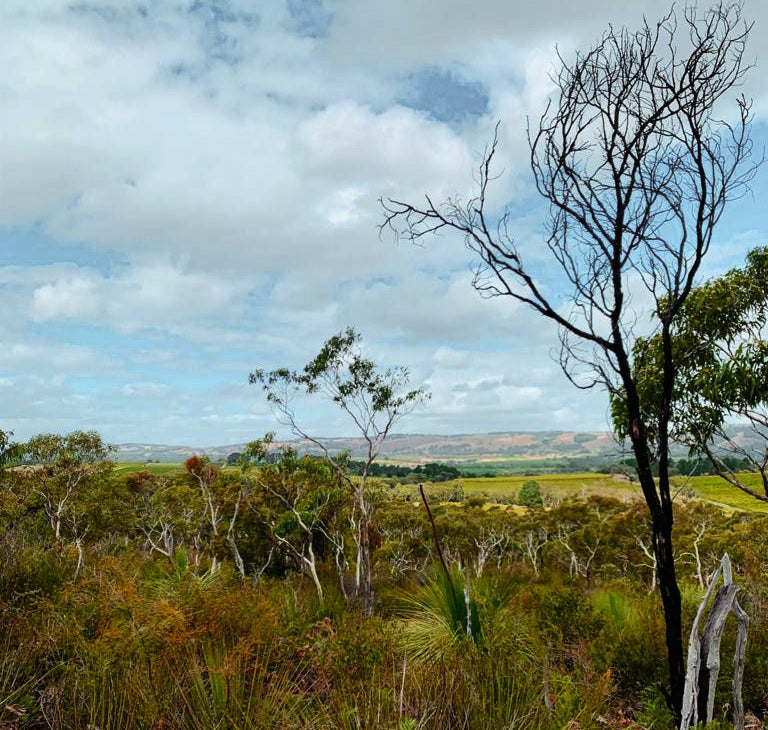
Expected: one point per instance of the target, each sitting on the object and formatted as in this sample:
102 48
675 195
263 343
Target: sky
188 191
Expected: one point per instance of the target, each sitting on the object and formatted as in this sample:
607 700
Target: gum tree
373 399
65 468
299 500
719 343
636 159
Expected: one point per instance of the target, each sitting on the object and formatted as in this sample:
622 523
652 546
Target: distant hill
422 448
417 448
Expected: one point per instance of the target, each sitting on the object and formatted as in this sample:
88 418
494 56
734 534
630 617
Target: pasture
129 467
562 486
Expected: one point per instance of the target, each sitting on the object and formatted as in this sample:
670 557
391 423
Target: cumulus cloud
156 296
202 182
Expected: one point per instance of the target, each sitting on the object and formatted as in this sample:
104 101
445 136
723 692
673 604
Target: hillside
416 447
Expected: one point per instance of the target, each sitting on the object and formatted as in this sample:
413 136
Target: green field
510 465
536 467
560 486
557 485
716 490
129 467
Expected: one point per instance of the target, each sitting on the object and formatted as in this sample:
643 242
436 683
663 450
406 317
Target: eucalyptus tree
636 157
6 447
221 493
374 400
64 468
719 343
301 501
11 502
174 518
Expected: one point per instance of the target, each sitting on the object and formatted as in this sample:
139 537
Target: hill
421 448
417 448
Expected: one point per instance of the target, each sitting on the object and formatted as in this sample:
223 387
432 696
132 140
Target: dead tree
579 565
704 653
533 542
636 165
488 543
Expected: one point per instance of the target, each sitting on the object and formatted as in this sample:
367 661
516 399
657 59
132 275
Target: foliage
722 370
136 638
530 494
431 471
373 399
440 618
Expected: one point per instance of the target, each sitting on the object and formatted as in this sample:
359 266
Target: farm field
130 467
510 466
561 486
713 489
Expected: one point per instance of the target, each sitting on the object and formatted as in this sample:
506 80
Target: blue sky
189 189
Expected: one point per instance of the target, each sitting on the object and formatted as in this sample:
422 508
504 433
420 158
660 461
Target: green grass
718 491
129 467
709 488
507 465
530 467
554 485
558 485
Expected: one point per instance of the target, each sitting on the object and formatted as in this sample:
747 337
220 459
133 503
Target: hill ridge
413 446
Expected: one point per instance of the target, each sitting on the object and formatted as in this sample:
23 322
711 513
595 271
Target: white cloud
157 296
229 166
75 298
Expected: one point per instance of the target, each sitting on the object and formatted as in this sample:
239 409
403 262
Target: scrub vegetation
136 612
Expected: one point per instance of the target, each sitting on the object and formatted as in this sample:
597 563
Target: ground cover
137 615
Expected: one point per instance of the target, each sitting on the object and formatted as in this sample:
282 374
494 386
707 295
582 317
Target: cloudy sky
188 191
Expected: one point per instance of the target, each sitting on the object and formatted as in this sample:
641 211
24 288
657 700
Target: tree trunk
341 564
236 553
710 650
660 507
672 605
365 550
232 541
365 544
80 558
311 564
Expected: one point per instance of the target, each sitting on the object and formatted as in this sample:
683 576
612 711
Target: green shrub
530 495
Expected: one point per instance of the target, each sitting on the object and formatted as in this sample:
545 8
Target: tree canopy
721 370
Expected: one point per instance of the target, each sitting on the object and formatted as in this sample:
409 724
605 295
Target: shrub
530 495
